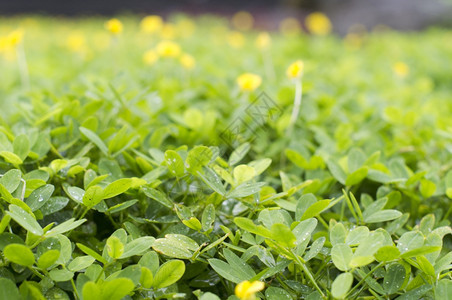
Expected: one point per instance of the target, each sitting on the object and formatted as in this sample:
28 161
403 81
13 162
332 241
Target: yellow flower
151 24
318 23
114 26
76 42
246 290
401 69
150 57
15 37
263 40
295 70
249 82
187 61
242 20
236 39
168 49
290 26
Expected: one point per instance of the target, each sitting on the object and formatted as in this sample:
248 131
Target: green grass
122 179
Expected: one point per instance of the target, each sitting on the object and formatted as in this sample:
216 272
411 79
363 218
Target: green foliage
121 180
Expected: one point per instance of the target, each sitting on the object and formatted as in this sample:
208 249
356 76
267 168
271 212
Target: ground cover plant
188 159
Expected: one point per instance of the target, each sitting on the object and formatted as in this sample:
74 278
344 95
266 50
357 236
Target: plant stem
308 273
296 105
364 278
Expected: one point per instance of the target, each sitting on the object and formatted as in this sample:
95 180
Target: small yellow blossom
236 39
295 70
318 23
401 69
114 26
168 49
16 37
246 290
249 82
168 31
151 24
150 57
187 61
263 40
76 42
290 26
242 20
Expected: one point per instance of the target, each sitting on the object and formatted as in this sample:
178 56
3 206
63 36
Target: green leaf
137 246
282 234
341 254
175 163
193 223
11 158
420 251
146 278
11 180
197 158
370 245
387 253
19 254
246 189
383 216
92 291
208 217
65 227
260 165
341 285
157 196
93 196
394 278
443 290
304 229
116 289
92 253
115 248
409 241
53 205
118 187
303 204
337 171
21 146
274 293
168 273
315 209
357 176
315 248
80 263
239 153
95 139
9 290
172 248
338 234
249 226
24 219
357 235
427 188
121 206
48 258
212 181
243 173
